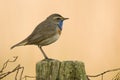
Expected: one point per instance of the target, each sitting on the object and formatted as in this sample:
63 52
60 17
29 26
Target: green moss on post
56 70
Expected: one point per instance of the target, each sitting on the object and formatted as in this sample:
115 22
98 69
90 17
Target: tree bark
56 70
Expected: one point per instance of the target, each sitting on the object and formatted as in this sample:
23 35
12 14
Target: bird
45 33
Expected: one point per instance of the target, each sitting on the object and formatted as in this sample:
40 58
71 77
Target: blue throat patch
60 24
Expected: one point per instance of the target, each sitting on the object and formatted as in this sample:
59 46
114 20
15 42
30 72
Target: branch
101 74
17 68
6 63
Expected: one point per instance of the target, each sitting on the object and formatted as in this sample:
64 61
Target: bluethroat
45 33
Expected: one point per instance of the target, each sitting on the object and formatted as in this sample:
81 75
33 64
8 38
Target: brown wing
41 32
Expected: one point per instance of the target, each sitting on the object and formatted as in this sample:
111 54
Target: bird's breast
50 40
59 31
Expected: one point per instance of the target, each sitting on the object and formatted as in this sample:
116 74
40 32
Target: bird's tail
19 44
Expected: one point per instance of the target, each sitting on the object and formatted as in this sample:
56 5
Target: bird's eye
58 18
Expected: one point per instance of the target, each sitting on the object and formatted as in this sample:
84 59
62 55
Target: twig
21 73
6 63
16 74
22 68
88 78
17 68
9 72
101 74
101 77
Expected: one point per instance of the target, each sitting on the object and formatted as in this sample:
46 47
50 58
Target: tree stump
56 70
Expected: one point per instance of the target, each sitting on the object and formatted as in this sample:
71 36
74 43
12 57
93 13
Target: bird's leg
45 56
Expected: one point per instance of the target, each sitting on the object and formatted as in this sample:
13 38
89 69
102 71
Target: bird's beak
65 18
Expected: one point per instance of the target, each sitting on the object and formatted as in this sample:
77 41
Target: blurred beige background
91 35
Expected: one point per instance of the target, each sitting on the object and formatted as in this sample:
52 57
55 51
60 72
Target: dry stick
7 73
104 72
22 68
6 63
102 77
16 74
21 73
88 78
17 68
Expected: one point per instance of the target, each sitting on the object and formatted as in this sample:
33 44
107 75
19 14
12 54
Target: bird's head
57 19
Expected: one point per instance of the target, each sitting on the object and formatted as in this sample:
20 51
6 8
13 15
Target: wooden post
56 70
